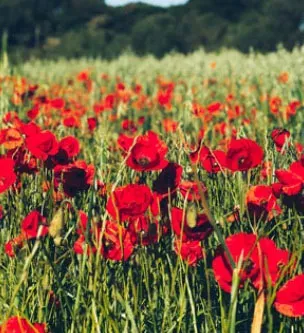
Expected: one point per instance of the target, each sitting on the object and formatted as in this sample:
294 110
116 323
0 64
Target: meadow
144 195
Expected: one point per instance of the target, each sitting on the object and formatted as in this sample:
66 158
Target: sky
163 3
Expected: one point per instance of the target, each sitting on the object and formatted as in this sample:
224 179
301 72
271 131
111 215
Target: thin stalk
210 217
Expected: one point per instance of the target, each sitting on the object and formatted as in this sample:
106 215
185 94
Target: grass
154 291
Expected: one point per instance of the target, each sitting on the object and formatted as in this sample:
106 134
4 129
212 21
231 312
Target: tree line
75 28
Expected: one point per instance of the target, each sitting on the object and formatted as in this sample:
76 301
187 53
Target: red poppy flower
170 125
280 136
54 300
33 112
137 88
189 251
60 158
164 98
29 129
129 125
168 179
70 145
24 161
83 75
292 180
262 261
80 245
277 189
273 261
194 151
82 224
147 154
75 177
243 154
21 325
238 244
198 110
291 108
214 107
266 170
131 201
109 102
11 117
125 142
143 231
197 229
57 103
275 104
116 243
71 121
189 190
31 223
212 161
120 86
290 298
261 203
11 138
300 150
12 245
283 77
92 123
7 174
42 145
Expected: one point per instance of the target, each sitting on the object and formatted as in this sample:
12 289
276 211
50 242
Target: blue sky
163 3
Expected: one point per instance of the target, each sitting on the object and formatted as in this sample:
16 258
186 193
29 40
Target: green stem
210 217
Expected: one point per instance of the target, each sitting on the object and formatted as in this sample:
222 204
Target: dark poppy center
263 202
143 161
108 245
248 266
241 161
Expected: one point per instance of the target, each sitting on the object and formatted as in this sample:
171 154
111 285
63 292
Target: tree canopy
74 28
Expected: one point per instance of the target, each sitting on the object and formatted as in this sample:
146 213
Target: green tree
155 34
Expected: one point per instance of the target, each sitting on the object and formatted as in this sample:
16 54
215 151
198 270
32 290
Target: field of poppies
144 195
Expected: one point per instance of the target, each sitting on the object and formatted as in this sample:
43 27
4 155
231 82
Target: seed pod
191 215
56 227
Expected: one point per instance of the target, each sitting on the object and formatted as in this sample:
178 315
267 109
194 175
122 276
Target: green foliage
154 291
150 37
89 27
